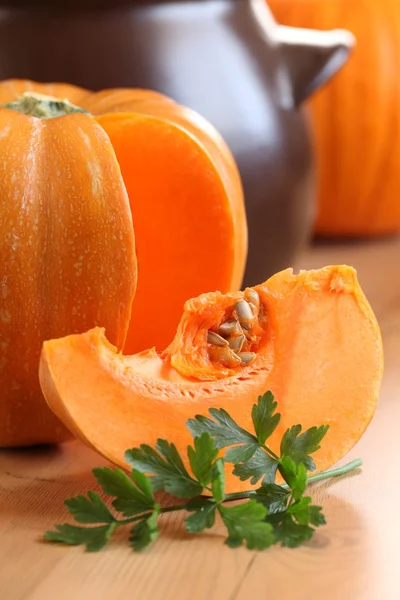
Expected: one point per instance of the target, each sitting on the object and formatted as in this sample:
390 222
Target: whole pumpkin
356 117
70 184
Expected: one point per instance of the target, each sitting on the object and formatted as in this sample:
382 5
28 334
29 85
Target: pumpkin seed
252 297
236 343
246 357
225 356
215 339
254 309
244 313
228 327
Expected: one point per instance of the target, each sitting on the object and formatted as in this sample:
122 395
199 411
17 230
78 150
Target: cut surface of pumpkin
189 237
311 338
67 255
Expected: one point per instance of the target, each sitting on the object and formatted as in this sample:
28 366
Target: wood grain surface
353 557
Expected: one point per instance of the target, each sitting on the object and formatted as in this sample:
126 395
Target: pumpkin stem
41 106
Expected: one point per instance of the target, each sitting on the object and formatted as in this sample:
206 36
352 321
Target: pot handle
309 58
312 57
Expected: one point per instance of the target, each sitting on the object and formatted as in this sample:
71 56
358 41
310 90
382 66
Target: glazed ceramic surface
227 59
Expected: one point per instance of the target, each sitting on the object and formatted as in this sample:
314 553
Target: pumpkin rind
67 255
10 89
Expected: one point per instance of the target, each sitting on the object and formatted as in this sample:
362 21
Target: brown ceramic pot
227 59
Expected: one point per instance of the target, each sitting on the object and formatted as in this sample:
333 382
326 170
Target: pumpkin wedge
312 339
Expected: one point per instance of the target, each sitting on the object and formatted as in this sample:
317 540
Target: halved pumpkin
312 339
70 186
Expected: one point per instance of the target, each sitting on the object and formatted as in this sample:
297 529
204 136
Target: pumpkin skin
10 89
356 117
67 255
320 354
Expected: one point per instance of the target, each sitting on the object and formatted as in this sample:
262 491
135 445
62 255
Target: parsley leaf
223 429
89 509
145 532
260 466
274 497
94 538
287 532
134 494
115 482
166 468
246 523
264 420
203 516
299 445
315 516
306 513
238 454
295 476
202 458
292 527
218 483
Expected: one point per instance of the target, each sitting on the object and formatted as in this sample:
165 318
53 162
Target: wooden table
354 557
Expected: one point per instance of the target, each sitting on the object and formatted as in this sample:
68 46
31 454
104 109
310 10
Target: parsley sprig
271 514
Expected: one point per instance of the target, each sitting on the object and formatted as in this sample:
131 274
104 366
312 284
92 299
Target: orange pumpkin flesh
218 152
187 205
187 236
67 255
320 353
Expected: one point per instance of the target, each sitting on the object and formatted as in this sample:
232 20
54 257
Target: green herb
271 514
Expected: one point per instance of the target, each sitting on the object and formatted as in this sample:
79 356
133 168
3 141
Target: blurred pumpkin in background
356 117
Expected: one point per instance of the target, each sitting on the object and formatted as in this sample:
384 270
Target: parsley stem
270 452
145 515
134 519
172 508
351 466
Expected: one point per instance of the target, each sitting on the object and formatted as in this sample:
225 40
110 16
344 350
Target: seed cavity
236 337
216 339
